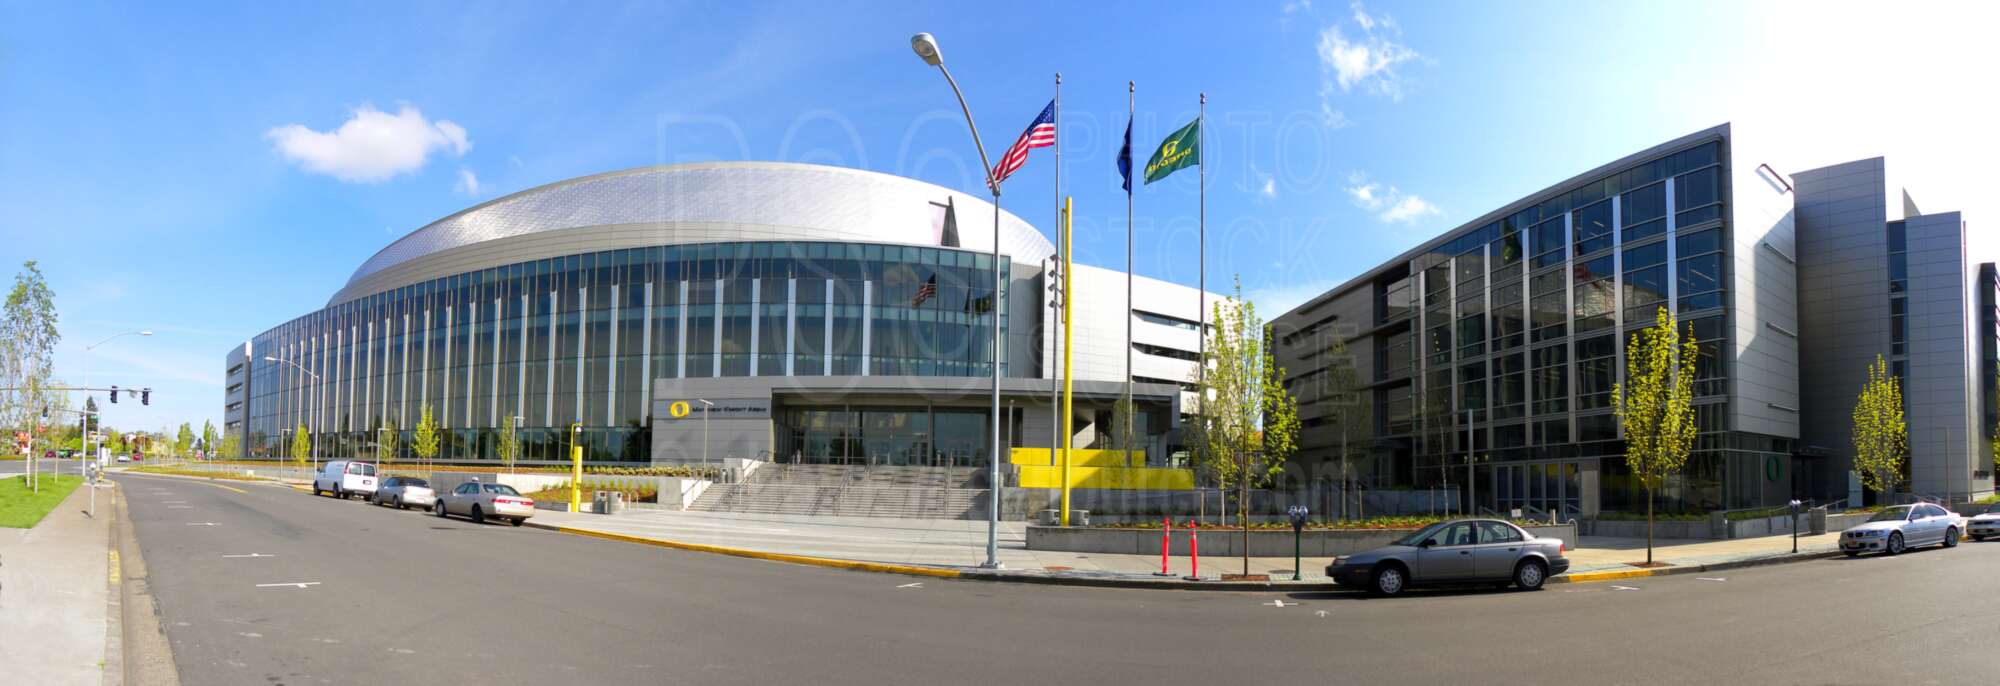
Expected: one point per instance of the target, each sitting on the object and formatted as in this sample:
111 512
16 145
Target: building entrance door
1539 488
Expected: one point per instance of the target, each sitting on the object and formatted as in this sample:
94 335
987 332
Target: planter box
1223 542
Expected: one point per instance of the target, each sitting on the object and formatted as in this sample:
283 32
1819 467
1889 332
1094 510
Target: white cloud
370 146
1390 204
468 183
1368 61
1270 189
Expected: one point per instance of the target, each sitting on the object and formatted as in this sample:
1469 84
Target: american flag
925 292
1040 134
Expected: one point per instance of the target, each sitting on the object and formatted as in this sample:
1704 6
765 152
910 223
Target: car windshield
1993 509
1894 514
502 489
1421 534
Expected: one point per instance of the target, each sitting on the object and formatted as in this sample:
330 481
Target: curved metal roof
744 201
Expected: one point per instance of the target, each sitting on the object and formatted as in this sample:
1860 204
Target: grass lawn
21 507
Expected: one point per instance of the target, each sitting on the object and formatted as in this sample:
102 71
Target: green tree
425 442
386 438
208 437
509 444
1881 438
1247 424
301 446
184 440
232 446
28 338
1655 405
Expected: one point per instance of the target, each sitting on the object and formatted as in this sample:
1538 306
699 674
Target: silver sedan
481 500
1465 551
1899 528
403 491
1985 524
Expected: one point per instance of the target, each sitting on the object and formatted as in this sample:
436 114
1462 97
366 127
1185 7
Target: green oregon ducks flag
1181 149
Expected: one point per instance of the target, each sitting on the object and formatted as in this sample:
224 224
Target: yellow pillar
1068 296
575 469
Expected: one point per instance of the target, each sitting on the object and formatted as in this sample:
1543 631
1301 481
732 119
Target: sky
208 172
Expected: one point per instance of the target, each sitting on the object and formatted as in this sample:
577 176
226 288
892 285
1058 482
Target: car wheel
399 502
439 508
1951 537
1390 580
1530 575
478 517
338 493
517 521
1896 543
316 491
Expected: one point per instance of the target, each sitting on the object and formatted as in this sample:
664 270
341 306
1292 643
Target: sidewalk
961 545
54 595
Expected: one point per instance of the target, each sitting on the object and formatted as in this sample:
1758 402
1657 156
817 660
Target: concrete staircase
852 491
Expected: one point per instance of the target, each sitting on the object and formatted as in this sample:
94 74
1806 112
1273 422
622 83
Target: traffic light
114 395
146 397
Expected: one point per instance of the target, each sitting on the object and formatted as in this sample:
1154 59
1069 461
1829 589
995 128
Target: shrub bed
633 494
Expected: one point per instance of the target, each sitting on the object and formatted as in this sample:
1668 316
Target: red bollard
1194 551
1166 544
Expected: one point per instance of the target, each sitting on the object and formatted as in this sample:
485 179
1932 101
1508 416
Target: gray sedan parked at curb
1464 551
404 491
1899 528
481 500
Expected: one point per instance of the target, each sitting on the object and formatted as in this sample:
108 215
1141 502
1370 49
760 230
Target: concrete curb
1134 581
1615 575
882 567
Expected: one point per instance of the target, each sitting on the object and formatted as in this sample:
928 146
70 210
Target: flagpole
1131 89
1055 322
1201 278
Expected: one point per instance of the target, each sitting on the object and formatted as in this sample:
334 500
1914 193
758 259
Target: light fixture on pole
89 454
312 436
926 47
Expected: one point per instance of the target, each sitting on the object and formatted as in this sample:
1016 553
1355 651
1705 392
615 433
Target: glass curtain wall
578 339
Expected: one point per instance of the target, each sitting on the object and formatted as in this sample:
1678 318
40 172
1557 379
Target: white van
343 478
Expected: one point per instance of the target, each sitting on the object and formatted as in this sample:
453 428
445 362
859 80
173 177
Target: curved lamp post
315 379
926 47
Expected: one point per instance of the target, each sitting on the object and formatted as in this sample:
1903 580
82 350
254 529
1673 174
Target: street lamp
707 408
89 454
926 47
313 435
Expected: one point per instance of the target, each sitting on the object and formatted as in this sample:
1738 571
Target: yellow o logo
679 409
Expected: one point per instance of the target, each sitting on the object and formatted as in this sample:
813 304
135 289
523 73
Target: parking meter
1297 513
1795 505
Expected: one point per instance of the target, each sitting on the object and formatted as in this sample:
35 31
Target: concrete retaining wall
1225 542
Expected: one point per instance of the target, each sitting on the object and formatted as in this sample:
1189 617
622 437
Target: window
1549 308
1497 532
1699 276
1899 264
1551 379
1596 371
1695 196
1593 227
1548 242
1189 325
1507 250
1471 268
1456 534
1472 386
1509 324
1644 212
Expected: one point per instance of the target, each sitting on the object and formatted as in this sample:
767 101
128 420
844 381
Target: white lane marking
405 651
295 584
201 523
1623 588
919 584
1281 603
1711 578
180 507
1322 613
250 555
174 502
249 634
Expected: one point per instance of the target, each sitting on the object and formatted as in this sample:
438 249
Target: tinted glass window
413 482
1496 532
502 489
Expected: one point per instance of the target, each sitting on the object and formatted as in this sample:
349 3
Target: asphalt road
402 597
